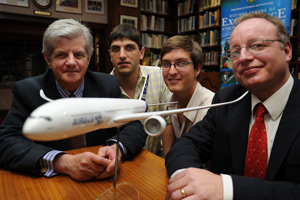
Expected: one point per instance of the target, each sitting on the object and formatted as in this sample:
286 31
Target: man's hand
81 167
109 152
196 184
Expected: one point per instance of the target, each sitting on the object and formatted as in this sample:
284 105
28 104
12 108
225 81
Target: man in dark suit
67 49
260 51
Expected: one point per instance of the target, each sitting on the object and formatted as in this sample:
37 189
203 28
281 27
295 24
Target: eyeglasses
255 47
178 66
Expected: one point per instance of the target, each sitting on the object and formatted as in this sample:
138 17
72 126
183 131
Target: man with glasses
126 51
181 62
253 144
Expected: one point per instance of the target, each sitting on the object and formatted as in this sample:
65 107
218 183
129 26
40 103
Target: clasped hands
88 165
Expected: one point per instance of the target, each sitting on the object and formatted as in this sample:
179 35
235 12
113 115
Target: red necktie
77 142
257 150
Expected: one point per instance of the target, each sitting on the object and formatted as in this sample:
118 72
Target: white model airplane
69 117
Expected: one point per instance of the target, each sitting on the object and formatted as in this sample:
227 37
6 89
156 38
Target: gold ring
182 193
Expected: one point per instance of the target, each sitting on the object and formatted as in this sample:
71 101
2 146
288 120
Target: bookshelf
210 33
157 24
188 18
295 39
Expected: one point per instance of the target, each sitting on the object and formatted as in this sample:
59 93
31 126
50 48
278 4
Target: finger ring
182 193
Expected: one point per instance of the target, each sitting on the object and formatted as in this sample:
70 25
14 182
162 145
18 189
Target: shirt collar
65 94
140 83
193 102
275 103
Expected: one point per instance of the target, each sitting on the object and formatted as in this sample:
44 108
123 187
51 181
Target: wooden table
145 171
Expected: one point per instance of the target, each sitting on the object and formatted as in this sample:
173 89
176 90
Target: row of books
155 6
208 19
152 22
210 57
294 4
204 4
187 6
294 27
151 60
150 40
210 38
187 24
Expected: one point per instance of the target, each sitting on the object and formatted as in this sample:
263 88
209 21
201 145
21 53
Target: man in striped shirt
126 52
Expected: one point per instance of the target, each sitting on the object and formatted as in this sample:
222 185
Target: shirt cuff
46 163
227 187
122 146
177 172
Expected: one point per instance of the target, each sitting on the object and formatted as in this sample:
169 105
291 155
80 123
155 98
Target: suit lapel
287 131
239 116
50 89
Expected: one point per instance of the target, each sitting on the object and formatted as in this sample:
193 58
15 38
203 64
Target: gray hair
67 28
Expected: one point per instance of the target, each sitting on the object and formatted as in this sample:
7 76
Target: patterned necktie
76 142
257 152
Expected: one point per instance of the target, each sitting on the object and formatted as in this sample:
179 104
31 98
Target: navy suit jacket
20 154
222 137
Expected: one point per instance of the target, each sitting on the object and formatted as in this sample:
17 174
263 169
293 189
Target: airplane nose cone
34 126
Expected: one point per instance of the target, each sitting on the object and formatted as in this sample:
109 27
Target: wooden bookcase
158 23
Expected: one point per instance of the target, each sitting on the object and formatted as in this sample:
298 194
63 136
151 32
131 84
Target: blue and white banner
232 9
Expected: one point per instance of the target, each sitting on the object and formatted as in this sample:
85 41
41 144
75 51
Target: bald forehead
254 27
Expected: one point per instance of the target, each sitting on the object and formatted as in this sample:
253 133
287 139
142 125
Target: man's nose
71 60
245 54
172 69
122 52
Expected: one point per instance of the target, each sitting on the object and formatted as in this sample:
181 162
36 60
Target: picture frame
22 3
129 19
74 6
129 3
94 6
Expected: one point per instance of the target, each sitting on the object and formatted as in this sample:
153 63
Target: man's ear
142 52
47 60
198 70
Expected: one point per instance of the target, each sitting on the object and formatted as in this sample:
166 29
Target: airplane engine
154 125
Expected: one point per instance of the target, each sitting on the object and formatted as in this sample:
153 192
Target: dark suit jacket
222 136
20 154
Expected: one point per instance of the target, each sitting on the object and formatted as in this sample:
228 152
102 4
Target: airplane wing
124 118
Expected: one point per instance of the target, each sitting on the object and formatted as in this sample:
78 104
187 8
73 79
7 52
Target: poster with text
232 9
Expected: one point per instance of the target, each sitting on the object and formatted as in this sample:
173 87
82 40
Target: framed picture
129 19
23 3
129 3
94 6
73 6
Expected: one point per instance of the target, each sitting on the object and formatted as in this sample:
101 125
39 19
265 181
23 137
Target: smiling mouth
249 69
172 80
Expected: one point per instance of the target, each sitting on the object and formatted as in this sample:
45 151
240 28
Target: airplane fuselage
65 118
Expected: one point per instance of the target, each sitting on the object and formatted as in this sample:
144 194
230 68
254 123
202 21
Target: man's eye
115 49
78 55
61 55
129 48
166 64
235 52
180 64
258 46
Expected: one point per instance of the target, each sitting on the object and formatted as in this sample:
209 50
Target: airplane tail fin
42 94
144 91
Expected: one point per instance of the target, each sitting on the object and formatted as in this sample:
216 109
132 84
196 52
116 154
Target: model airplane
69 117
